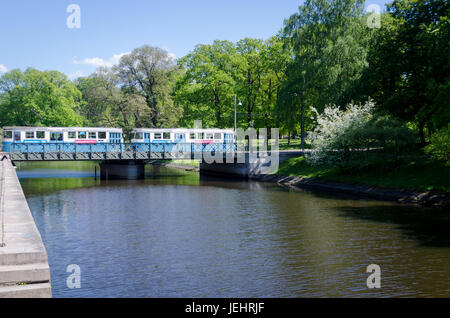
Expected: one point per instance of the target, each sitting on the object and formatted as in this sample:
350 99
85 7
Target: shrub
356 138
439 148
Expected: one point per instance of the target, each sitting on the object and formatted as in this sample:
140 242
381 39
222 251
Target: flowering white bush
338 131
355 137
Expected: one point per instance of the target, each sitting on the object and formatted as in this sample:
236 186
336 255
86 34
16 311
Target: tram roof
175 130
87 129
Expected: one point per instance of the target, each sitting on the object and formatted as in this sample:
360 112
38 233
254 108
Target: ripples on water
176 234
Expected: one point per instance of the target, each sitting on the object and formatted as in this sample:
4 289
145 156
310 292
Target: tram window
72 135
192 136
217 136
166 135
56 136
29 135
92 135
17 136
40 134
7 134
81 135
209 136
157 136
200 136
101 135
138 136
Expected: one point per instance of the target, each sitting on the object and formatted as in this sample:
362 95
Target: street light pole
303 121
235 116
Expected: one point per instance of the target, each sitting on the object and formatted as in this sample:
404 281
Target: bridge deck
80 152
144 152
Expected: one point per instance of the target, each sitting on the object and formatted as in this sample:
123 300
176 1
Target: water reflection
176 234
429 226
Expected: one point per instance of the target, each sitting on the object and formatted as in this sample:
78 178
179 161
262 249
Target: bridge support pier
122 170
253 166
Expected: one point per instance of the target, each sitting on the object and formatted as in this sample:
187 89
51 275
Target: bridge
118 151
128 160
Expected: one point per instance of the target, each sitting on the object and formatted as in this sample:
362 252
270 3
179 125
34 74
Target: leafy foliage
251 69
207 88
151 73
38 98
355 138
439 148
409 71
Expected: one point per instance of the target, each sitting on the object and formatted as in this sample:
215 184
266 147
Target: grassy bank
190 163
295 144
428 176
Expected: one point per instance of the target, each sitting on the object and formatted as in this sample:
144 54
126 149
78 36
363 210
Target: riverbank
371 192
394 186
187 165
417 183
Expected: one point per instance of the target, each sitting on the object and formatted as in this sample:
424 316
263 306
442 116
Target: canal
176 234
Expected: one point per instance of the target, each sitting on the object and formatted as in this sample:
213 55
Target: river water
176 234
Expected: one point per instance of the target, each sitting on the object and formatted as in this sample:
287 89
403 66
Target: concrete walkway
24 270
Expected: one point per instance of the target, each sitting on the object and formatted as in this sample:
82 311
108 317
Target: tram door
115 138
180 138
56 137
229 138
17 137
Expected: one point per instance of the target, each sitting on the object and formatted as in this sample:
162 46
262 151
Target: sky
35 33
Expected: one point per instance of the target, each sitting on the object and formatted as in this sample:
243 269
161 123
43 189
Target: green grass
191 163
295 144
414 176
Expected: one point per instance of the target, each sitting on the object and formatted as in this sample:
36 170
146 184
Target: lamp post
303 121
235 113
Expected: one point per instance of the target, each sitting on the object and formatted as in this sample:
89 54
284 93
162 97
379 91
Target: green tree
206 90
152 73
106 104
261 76
330 43
253 72
34 98
252 69
409 70
439 147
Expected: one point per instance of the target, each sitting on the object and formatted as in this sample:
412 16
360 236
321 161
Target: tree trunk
218 111
421 133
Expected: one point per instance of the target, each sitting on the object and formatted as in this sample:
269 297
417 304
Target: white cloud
172 55
76 75
3 69
99 62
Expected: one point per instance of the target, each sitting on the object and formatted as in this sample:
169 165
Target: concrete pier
24 269
127 169
253 166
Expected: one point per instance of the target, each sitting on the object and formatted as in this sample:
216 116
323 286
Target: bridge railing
120 151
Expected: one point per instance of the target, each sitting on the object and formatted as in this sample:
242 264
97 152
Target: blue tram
182 139
52 139
78 139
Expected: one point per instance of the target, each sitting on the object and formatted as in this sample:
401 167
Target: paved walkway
2 187
24 270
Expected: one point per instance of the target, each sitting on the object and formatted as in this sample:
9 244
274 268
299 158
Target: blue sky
34 33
